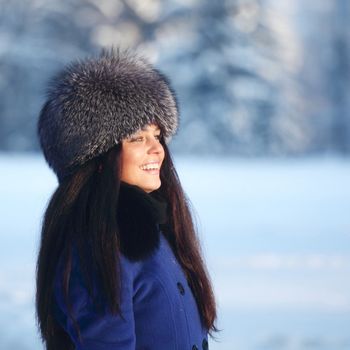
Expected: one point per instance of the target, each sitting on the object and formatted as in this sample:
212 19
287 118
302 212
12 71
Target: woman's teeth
152 166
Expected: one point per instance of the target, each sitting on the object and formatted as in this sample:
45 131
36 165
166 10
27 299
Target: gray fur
93 104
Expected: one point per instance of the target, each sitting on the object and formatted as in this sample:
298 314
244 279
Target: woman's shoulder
158 260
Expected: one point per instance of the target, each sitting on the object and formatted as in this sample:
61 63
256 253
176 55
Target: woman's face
141 158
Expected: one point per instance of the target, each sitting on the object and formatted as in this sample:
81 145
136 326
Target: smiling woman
141 158
119 265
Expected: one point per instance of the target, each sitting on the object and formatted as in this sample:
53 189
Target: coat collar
139 215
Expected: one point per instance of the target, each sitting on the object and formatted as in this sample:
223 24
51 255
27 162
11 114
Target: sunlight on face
141 158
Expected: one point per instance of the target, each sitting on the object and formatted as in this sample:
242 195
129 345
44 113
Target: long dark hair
82 212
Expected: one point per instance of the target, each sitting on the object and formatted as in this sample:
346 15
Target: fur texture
139 214
94 103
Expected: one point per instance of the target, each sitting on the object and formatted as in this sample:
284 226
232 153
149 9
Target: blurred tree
339 78
228 104
324 75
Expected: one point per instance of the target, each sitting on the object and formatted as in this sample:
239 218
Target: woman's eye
141 138
136 139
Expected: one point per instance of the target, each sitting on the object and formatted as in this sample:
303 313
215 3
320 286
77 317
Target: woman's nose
155 146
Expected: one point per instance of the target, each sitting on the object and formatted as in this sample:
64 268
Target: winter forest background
254 77
263 152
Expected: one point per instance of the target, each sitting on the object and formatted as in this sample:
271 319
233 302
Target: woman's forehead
150 127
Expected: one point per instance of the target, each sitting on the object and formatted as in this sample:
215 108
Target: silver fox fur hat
95 103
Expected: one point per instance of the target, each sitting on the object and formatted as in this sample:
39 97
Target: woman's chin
150 186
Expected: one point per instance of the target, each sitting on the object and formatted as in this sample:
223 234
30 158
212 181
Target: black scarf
139 216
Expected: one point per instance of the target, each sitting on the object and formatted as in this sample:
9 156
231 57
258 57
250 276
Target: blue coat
158 306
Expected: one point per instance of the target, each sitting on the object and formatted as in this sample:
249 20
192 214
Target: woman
119 265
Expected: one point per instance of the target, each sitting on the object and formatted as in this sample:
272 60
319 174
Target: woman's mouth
151 167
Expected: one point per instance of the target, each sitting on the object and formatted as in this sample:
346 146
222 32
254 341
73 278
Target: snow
275 235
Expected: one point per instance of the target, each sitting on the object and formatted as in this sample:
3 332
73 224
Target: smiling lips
151 167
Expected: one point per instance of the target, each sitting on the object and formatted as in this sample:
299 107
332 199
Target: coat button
205 344
181 288
194 347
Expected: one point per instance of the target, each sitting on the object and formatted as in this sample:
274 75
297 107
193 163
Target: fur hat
93 104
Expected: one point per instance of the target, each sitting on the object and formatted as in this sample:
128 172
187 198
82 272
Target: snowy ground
276 236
